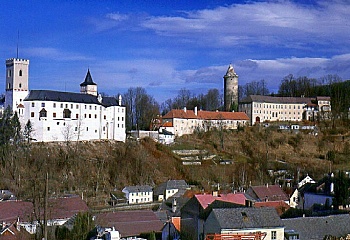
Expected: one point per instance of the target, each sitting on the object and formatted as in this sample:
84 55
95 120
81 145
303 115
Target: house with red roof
266 193
198 208
183 121
59 211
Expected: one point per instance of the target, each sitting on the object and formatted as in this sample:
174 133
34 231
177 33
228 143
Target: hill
94 169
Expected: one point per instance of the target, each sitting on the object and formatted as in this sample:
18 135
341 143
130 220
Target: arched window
20 85
66 113
20 73
43 113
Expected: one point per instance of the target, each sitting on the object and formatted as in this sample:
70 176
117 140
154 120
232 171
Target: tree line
142 108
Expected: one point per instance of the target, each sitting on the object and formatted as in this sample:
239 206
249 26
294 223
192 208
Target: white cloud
54 53
284 22
117 16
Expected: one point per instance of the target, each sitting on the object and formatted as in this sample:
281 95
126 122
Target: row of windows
71 106
267 112
140 194
67 114
285 118
277 106
76 128
9 73
141 200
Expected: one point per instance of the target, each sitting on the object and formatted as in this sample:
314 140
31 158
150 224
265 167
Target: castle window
32 114
61 105
20 85
54 105
89 115
90 107
104 117
42 104
77 116
77 106
58 123
66 113
48 128
33 104
95 115
43 113
76 129
20 73
87 128
71 106
54 114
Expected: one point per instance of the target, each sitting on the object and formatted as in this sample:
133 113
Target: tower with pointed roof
88 86
231 89
16 83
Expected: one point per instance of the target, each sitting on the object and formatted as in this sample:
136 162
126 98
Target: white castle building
63 116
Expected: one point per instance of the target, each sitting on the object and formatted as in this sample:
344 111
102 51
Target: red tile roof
208 115
206 199
130 223
59 208
167 124
271 192
280 206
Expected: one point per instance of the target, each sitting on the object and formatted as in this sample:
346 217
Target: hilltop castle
63 116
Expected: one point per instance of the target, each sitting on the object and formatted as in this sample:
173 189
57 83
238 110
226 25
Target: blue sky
164 46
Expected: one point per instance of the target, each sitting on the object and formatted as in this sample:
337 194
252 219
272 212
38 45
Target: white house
183 121
63 116
138 194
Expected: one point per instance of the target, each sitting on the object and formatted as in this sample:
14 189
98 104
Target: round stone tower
231 89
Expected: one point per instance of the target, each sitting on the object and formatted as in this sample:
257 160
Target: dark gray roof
88 80
142 188
245 218
270 99
160 189
318 227
48 95
176 184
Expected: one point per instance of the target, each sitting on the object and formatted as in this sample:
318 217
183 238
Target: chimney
185 109
195 111
215 193
120 100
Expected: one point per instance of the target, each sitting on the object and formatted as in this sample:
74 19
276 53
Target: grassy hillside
94 169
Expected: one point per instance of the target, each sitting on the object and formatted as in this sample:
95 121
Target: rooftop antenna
17 42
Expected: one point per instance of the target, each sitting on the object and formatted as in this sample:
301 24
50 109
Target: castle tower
17 72
88 86
230 89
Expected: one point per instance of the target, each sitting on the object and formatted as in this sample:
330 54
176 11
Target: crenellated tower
17 73
231 90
